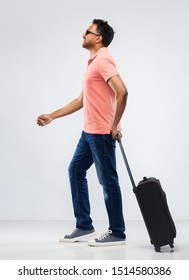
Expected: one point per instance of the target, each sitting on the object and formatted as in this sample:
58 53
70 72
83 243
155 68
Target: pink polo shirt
98 97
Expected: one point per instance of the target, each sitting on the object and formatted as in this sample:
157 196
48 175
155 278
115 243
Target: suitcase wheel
157 249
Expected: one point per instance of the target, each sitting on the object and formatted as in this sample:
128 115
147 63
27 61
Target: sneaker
77 235
107 239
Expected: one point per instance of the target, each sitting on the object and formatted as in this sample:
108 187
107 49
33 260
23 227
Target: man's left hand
116 133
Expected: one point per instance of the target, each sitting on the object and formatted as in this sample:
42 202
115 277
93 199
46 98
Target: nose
84 35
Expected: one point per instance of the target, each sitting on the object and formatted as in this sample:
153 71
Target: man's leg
103 152
80 163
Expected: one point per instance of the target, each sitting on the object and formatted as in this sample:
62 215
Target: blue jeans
100 150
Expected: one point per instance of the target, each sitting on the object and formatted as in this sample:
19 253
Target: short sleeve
107 68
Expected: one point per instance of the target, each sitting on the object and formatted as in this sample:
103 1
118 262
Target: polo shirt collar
103 49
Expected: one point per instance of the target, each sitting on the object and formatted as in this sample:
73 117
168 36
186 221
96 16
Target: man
103 99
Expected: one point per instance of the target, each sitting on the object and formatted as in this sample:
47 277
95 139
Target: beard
86 45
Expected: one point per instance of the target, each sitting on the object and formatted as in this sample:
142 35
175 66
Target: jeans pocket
109 140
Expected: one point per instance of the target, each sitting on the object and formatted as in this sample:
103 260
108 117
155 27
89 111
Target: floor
38 240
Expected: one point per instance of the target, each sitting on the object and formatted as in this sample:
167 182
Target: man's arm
120 90
70 108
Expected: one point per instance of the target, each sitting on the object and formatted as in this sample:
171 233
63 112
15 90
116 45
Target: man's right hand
44 120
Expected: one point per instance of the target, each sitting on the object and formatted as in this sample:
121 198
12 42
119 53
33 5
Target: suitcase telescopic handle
126 163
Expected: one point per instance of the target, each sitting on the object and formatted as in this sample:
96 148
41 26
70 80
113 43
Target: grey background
42 65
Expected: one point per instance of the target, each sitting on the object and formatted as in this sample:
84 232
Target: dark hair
105 30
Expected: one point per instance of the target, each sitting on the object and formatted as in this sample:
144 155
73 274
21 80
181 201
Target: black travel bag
154 208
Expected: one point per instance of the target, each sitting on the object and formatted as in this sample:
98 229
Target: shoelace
103 236
72 232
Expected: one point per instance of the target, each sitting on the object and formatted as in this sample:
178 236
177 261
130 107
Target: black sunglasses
91 32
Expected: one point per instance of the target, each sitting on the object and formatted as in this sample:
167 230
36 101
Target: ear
99 39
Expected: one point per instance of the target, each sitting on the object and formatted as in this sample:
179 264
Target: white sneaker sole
77 239
103 244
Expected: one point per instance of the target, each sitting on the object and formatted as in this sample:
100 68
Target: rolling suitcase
154 208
